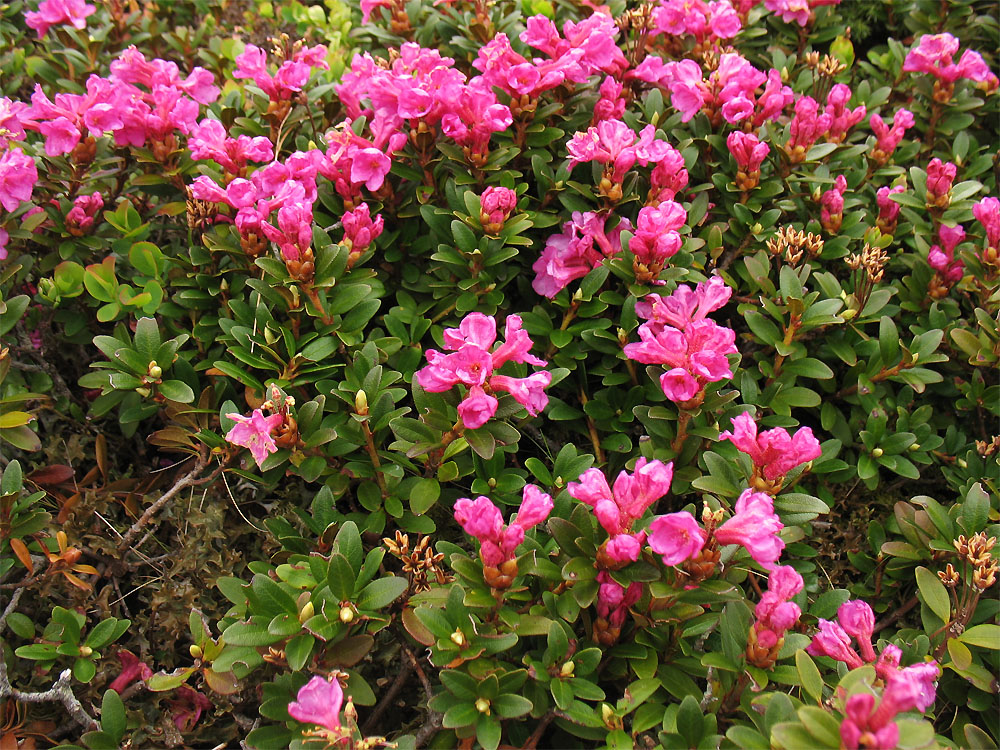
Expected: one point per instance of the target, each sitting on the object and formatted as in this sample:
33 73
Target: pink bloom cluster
56 13
611 104
799 11
360 231
942 257
679 334
496 206
209 140
888 209
775 612
482 519
987 213
187 707
940 177
618 509
754 525
614 600
730 90
615 145
576 251
656 238
291 75
668 178
842 117
319 702
254 432
774 452
832 205
583 49
748 150
705 21
18 176
934 54
165 103
807 126
80 218
12 117
888 138
472 364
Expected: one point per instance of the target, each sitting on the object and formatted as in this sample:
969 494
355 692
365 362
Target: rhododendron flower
806 128
254 432
889 138
747 150
57 12
4 239
319 702
472 364
888 209
833 641
290 77
187 707
940 176
832 205
799 11
934 54
615 145
209 140
12 117
858 621
987 213
132 670
496 206
360 230
668 177
685 305
18 176
773 452
842 118
676 537
942 257
859 727
656 238
703 20
618 509
611 104
755 526
574 253
80 218
775 614
614 600
481 519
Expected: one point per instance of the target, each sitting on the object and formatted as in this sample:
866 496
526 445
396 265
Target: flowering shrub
579 376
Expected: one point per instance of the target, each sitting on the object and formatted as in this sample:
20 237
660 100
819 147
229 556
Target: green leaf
888 341
341 578
423 495
298 650
975 509
509 706
809 675
986 635
113 718
381 593
176 390
147 339
689 721
934 594
84 670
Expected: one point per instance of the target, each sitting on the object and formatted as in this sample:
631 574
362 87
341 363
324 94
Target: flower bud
361 403
195 650
458 638
483 706
307 611
877 452
86 651
154 370
346 615
567 669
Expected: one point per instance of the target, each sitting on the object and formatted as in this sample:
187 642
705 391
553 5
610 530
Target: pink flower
13 115
755 526
987 213
858 621
842 118
319 702
676 537
497 204
481 519
4 239
806 128
799 11
611 104
832 205
940 176
775 612
80 218
18 176
888 209
668 177
613 600
616 145
859 727
187 707
254 432
889 138
132 670
472 364
56 12
290 77
633 493
774 452
359 229
942 257
747 150
833 641
209 140
934 54
575 252
685 305
656 238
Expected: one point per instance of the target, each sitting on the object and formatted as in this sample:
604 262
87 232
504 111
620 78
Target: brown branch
186 480
433 722
896 615
59 692
543 724
388 698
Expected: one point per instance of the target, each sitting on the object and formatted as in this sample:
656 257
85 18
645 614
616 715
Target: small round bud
346 615
483 706
195 650
307 611
458 638
877 452
361 403
567 669
914 448
86 651
154 371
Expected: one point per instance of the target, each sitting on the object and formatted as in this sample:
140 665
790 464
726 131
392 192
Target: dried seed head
949 576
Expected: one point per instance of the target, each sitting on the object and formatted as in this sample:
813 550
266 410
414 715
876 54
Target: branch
59 692
186 480
10 608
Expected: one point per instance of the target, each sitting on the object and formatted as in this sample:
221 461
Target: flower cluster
613 602
319 702
749 153
679 334
799 11
576 251
472 364
481 519
656 239
707 22
80 219
619 508
291 75
888 138
987 213
754 525
807 126
774 452
888 209
842 117
57 13
209 140
940 177
496 206
941 258
934 54
832 205
775 614
615 145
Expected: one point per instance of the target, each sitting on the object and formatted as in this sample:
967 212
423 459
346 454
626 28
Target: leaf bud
877 452
458 638
195 650
483 706
757 228
361 403
914 448
346 615
86 651
154 370
567 669
307 611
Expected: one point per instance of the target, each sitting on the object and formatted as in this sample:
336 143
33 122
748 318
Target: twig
167 496
60 691
543 724
896 615
14 599
433 722
388 698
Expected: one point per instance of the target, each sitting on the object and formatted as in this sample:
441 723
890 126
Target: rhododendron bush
480 374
